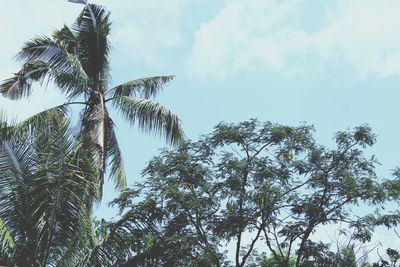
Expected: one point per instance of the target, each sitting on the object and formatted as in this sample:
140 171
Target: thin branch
253 242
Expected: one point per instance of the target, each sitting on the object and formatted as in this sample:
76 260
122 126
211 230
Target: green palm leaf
45 58
92 28
33 123
48 190
151 117
144 87
116 163
19 85
124 238
7 244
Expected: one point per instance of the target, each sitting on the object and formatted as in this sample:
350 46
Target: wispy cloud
145 28
276 35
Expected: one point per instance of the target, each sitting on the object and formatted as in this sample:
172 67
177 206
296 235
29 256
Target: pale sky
334 64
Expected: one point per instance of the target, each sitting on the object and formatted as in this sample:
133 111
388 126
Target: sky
333 64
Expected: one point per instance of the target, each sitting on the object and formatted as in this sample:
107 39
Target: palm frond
92 28
92 18
78 1
72 190
16 164
143 88
60 58
45 49
124 239
116 163
20 84
67 38
5 125
38 121
151 117
7 244
48 190
74 83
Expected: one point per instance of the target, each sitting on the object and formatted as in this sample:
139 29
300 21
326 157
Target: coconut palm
47 190
76 60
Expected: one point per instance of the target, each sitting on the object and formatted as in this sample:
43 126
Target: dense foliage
47 192
253 186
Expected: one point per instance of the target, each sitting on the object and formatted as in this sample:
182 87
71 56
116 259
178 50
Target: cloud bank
299 37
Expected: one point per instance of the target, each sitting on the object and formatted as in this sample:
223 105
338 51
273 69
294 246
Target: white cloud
238 37
146 27
366 35
361 35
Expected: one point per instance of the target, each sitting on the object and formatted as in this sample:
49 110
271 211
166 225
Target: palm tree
76 60
47 190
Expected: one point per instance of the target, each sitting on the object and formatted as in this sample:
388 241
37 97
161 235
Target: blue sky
334 64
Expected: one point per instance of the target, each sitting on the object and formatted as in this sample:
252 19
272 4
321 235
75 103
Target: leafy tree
321 256
76 59
394 256
390 220
252 180
170 226
391 259
274 261
47 189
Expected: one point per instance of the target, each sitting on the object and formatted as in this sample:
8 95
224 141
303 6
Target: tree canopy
254 186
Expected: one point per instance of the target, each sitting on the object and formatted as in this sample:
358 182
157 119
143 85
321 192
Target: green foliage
7 243
394 255
391 259
275 261
255 179
349 257
47 191
263 180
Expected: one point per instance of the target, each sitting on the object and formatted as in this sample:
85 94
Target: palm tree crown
76 60
47 193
